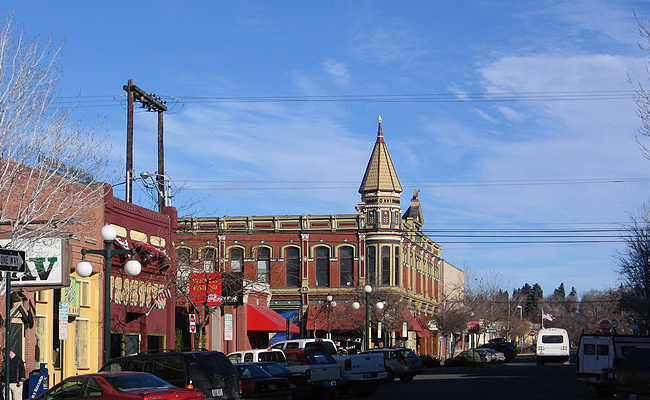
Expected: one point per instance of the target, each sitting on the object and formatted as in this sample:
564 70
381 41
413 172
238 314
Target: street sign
532 333
473 327
227 327
63 320
12 260
605 325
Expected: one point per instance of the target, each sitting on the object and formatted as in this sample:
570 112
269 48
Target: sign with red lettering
473 327
205 288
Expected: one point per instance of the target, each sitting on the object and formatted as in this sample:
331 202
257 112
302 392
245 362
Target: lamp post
85 269
329 304
380 305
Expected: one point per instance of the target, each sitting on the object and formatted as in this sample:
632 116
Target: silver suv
400 363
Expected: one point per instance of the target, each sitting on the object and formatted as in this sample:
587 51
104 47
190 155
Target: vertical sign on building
192 323
405 331
63 320
227 326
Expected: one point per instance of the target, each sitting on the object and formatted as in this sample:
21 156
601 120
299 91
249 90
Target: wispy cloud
338 71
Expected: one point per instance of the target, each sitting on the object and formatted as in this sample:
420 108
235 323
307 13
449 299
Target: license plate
293 385
367 375
217 392
272 387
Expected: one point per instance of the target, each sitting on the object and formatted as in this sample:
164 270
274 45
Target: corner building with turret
311 271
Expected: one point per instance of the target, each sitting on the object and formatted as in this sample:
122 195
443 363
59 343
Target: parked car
257 355
491 355
256 383
209 371
508 349
400 363
119 386
632 378
466 358
323 372
298 381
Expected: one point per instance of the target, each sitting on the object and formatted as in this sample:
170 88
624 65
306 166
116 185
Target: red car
119 386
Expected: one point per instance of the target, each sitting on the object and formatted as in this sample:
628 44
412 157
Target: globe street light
329 304
380 305
84 269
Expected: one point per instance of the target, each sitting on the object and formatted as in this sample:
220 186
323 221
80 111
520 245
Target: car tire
407 379
391 376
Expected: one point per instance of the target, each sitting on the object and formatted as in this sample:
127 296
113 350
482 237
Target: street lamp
163 185
380 305
84 269
521 312
329 304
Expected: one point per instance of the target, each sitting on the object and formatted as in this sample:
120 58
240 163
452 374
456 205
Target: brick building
292 263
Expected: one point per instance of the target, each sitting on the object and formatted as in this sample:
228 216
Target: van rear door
595 353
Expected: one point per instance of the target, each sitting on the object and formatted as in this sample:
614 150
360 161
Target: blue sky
506 115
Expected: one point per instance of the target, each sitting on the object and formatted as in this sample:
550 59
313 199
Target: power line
112 100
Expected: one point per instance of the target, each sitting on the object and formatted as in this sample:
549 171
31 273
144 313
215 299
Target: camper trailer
599 351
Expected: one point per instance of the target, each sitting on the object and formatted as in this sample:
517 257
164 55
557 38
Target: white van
599 351
552 345
257 355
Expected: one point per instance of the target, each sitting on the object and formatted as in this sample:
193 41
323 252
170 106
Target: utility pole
151 103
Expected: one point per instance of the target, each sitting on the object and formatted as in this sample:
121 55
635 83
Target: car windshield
251 371
276 369
317 357
132 382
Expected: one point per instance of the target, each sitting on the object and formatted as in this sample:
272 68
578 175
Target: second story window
263 264
209 259
385 265
237 260
292 260
371 265
346 257
322 266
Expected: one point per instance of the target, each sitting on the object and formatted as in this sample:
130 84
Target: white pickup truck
360 373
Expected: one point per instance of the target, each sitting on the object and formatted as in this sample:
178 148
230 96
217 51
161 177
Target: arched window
322 266
292 263
209 256
183 257
397 267
385 265
371 265
263 264
237 260
346 264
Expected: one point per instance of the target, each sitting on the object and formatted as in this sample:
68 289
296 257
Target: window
248 357
84 293
209 255
346 263
170 369
322 266
371 265
385 265
603 350
70 389
292 260
236 260
39 333
81 343
40 296
397 267
263 264
132 344
183 256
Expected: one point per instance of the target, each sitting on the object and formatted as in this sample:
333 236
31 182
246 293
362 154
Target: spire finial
379 119
379 130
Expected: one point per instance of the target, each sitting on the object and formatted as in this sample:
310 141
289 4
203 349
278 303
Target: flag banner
547 316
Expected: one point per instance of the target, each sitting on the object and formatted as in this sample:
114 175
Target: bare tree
46 156
634 270
642 98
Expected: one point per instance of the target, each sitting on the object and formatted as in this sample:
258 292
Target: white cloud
338 71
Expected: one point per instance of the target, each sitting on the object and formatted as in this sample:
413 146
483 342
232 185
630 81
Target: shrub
430 362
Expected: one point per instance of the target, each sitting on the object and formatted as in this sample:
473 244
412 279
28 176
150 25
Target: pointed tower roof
380 173
414 211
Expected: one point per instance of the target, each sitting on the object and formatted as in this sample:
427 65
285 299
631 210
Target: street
519 379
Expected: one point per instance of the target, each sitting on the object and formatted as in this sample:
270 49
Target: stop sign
531 333
605 325
473 327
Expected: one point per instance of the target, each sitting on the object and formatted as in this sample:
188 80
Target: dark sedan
298 381
256 383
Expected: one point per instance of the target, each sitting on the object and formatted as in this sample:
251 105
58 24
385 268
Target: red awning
414 324
263 318
341 318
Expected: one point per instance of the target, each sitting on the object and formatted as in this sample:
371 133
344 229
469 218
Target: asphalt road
519 379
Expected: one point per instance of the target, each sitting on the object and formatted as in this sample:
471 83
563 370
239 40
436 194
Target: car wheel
391 376
407 379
